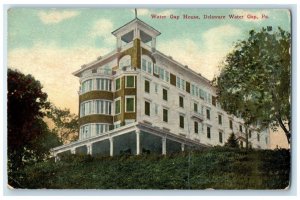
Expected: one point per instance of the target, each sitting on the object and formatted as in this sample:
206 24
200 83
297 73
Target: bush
219 168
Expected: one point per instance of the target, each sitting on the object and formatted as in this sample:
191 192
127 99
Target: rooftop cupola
136 29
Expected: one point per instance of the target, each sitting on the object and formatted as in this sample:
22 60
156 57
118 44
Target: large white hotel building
138 100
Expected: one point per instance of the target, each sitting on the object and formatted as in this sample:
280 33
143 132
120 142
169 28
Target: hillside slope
217 168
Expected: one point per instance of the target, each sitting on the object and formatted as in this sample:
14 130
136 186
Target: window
250 134
196 127
85 131
103 84
207 113
241 128
266 140
130 104
230 124
125 61
147 86
87 86
118 84
181 103
86 108
101 128
203 95
103 107
181 121
220 119
195 107
258 137
156 69
147 108
220 137
144 65
117 107
193 90
165 115
149 67
180 83
165 94
107 70
208 132
130 83
161 73
167 76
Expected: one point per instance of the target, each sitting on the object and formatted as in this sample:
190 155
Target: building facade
138 100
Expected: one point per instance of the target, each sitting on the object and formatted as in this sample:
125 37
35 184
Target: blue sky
53 43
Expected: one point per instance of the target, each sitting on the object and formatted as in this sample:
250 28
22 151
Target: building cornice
184 67
99 61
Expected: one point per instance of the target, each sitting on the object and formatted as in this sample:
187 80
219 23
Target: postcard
149 98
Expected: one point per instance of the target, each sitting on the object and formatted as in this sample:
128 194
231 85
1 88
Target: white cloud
215 39
166 12
102 28
53 67
249 14
204 60
54 17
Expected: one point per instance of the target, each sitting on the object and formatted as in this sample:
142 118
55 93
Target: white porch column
89 149
73 150
111 141
56 158
138 145
182 146
164 146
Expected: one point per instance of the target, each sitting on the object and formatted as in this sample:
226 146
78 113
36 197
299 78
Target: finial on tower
135 13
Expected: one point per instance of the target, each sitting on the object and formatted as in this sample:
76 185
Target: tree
65 124
254 82
29 138
232 141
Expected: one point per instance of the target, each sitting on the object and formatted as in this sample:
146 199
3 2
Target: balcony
196 115
125 69
98 72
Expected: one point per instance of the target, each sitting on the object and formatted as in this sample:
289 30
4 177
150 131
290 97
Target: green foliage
255 83
218 168
29 139
66 124
232 141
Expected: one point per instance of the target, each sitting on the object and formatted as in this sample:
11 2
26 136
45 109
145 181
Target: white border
27 194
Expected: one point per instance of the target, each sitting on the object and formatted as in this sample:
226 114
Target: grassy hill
217 168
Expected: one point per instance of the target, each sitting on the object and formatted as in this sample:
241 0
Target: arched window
125 61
